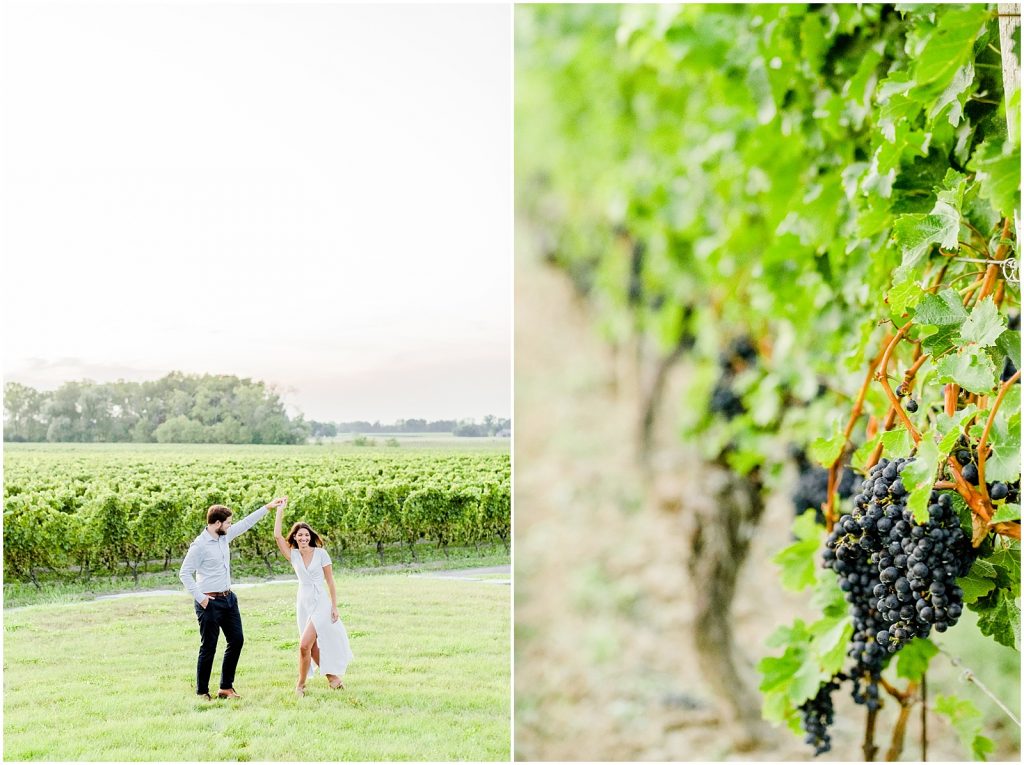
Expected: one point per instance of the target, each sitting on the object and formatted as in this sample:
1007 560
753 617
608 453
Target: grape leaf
1001 620
1003 464
969 368
897 110
918 477
813 41
967 721
917 504
984 325
806 527
916 233
777 672
826 451
948 48
830 646
806 680
1005 513
798 560
904 295
860 457
798 564
914 658
776 709
826 595
948 441
765 401
1007 563
1009 344
958 86
998 173
953 188
897 441
943 309
975 585
983 568
958 420
941 340
784 635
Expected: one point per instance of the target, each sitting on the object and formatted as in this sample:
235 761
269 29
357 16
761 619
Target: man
216 606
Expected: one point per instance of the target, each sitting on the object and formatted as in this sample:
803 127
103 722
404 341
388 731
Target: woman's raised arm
282 543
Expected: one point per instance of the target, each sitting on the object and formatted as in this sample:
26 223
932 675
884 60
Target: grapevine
838 186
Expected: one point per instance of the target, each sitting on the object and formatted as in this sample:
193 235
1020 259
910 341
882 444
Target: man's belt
218 594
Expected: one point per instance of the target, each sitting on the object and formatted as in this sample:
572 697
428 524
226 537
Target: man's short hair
217 513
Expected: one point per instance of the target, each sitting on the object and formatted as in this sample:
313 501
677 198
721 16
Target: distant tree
23 413
180 430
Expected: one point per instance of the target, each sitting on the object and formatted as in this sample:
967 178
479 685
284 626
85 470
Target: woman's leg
332 680
306 643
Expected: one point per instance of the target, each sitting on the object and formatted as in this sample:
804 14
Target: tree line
490 426
187 409
177 408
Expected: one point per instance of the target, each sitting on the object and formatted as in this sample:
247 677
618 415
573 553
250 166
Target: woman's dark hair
314 538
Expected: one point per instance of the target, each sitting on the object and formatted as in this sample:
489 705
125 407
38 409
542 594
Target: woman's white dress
313 601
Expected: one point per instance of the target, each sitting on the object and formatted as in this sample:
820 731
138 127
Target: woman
322 636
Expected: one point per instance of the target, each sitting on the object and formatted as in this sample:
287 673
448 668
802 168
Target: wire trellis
1011 271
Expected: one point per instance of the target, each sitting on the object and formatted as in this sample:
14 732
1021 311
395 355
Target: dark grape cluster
898 576
967 456
724 400
812 486
915 566
1008 491
1009 368
817 716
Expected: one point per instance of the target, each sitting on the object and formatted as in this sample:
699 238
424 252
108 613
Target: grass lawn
114 680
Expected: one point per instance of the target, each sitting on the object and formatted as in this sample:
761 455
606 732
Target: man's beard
221 532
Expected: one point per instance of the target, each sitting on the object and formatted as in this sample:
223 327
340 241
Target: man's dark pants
221 613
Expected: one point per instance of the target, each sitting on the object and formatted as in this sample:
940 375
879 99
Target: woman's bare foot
335 682
300 691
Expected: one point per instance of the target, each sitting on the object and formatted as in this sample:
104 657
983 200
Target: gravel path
465 574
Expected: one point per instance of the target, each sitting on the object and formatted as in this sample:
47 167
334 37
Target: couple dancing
323 641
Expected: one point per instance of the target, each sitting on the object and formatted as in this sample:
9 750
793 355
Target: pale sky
317 196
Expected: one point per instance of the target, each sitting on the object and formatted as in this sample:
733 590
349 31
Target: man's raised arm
253 518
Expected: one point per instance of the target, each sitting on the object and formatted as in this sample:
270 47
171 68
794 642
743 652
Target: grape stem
992 272
899 732
869 736
833 470
890 415
924 716
902 697
951 393
882 377
983 442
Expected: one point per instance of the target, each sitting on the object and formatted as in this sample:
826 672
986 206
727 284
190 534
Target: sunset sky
317 196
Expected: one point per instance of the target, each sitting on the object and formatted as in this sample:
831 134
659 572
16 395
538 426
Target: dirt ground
604 663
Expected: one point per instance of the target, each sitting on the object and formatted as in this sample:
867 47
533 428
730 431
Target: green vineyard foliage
75 513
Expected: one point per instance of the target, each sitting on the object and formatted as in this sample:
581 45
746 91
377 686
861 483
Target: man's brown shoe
227 693
204 697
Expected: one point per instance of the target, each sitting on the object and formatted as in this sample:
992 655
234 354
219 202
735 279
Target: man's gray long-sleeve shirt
210 559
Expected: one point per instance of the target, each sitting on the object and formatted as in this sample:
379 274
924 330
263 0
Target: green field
114 680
